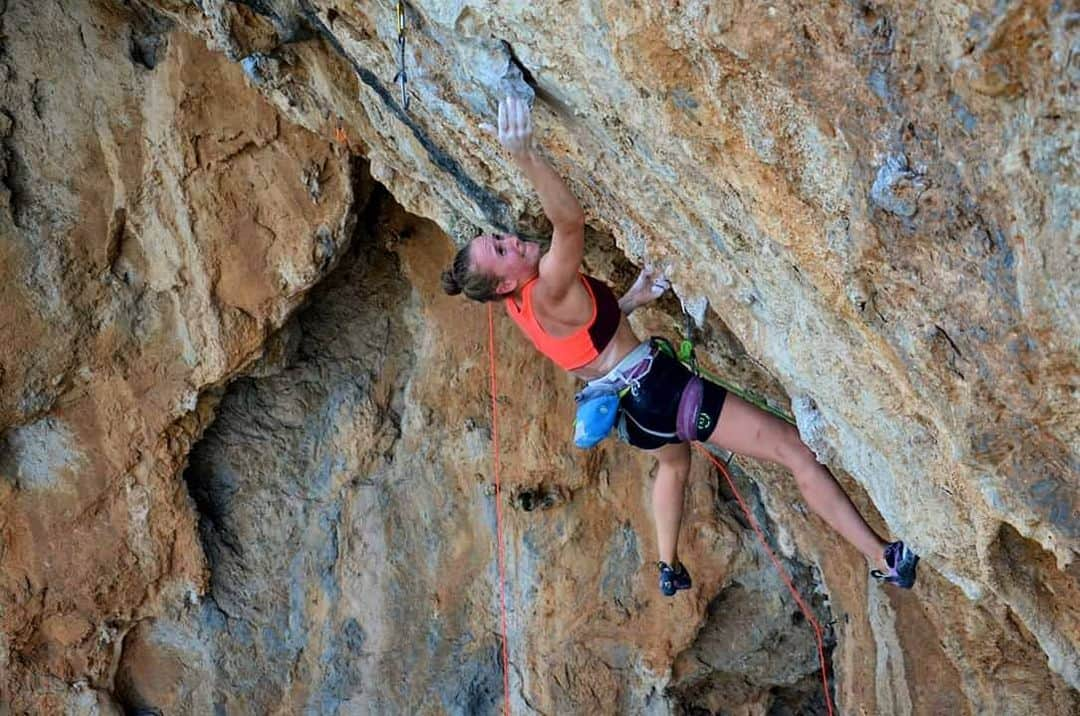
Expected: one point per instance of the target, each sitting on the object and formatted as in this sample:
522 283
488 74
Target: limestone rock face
154 233
229 484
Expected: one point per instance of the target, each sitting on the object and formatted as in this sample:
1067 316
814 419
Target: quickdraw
401 77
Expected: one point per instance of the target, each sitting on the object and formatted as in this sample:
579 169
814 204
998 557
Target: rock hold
897 187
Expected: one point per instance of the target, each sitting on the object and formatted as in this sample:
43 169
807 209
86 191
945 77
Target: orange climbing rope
783 574
498 513
719 465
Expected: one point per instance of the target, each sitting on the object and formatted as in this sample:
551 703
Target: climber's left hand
650 285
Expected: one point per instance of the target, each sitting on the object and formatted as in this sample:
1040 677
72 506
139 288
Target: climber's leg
747 430
668 495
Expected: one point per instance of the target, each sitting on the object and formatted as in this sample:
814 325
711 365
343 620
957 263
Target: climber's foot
673 579
901 563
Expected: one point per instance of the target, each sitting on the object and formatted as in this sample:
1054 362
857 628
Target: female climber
576 321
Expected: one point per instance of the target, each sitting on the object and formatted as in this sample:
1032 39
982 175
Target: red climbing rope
783 574
498 513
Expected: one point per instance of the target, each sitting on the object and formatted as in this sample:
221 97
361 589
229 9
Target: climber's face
507 257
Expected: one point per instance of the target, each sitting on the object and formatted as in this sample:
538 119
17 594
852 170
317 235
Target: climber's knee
793 453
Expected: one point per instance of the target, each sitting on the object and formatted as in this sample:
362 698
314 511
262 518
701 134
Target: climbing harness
401 77
498 513
598 404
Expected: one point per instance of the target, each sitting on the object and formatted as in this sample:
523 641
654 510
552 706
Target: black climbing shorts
648 418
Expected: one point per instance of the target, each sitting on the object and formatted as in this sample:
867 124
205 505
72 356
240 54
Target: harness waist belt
632 368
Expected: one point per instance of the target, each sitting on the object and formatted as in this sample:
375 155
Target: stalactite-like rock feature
209 499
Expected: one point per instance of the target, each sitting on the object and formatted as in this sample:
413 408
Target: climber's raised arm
559 267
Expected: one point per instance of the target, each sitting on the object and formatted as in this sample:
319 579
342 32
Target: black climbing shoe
672 579
902 563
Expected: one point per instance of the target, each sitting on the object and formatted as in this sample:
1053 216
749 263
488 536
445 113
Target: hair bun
450 284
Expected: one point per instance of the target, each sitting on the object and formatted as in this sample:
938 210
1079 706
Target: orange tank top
583 345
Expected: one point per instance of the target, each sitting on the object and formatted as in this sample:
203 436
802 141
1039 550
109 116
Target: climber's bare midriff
617 348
